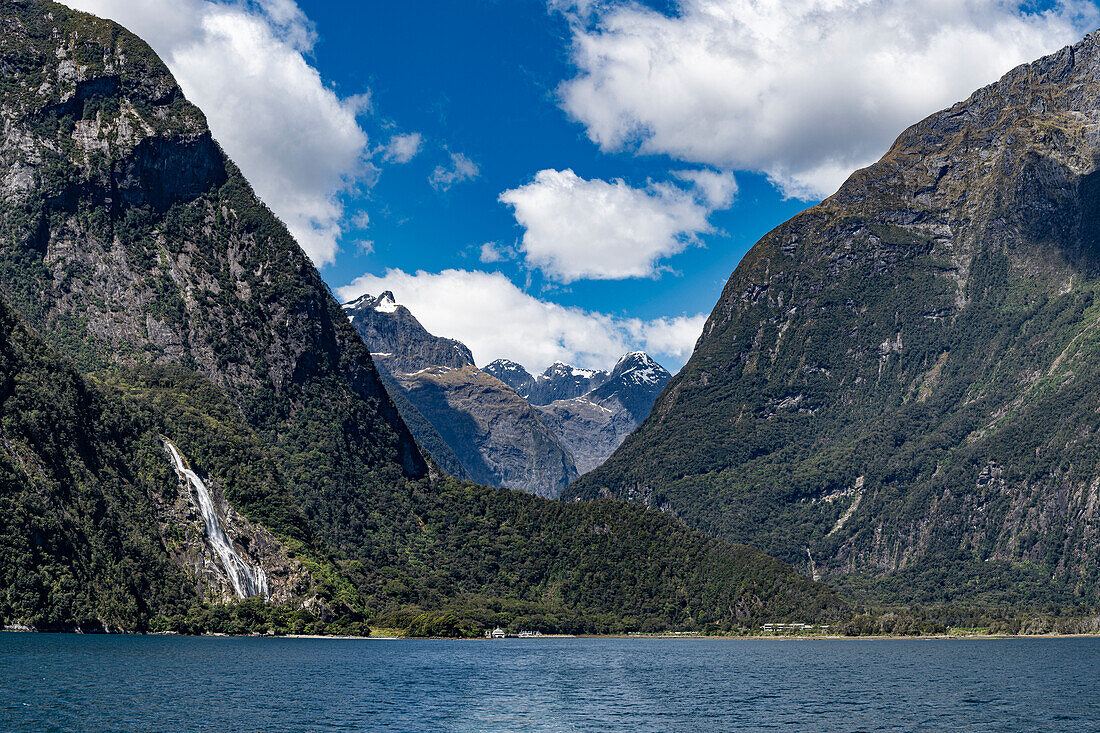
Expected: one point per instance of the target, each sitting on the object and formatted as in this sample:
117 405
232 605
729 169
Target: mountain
898 388
512 374
594 424
634 383
562 382
502 426
398 340
98 529
187 411
470 422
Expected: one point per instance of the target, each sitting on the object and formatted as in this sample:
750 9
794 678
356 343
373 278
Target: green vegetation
162 298
915 418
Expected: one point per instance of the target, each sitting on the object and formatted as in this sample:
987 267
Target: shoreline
15 629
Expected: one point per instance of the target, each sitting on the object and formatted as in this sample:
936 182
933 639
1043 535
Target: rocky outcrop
186 538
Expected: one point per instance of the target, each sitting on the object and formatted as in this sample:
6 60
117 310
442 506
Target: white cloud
805 91
461 169
592 229
402 148
716 189
243 63
496 252
488 313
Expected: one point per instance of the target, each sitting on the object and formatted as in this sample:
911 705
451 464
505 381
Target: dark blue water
64 682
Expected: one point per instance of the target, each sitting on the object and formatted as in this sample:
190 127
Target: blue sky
480 78
556 179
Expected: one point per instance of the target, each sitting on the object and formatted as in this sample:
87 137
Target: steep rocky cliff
459 413
898 388
500 439
397 339
131 240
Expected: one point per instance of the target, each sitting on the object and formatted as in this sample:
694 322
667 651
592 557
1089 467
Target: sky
568 179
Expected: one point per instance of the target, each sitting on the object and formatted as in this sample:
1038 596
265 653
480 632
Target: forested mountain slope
145 269
899 389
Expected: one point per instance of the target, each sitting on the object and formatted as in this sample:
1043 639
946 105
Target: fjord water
61 682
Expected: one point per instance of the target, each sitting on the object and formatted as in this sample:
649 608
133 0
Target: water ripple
74 682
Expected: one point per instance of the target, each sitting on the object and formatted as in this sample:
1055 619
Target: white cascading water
247 580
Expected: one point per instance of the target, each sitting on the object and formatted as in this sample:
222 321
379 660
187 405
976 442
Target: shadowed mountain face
898 388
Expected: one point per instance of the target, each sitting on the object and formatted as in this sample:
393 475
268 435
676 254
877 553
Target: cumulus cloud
496 319
805 91
244 63
461 169
716 189
402 148
606 230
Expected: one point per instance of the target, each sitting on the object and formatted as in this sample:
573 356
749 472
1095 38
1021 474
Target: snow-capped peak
640 368
506 365
361 300
385 303
635 357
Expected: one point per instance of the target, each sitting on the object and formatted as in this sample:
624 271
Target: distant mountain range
499 425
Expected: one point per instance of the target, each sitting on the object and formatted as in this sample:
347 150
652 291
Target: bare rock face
498 436
897 388
594 424
589 430
396 338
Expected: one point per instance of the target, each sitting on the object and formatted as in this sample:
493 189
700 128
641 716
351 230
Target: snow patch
385 303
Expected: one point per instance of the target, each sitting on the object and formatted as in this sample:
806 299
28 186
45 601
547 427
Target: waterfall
247 580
